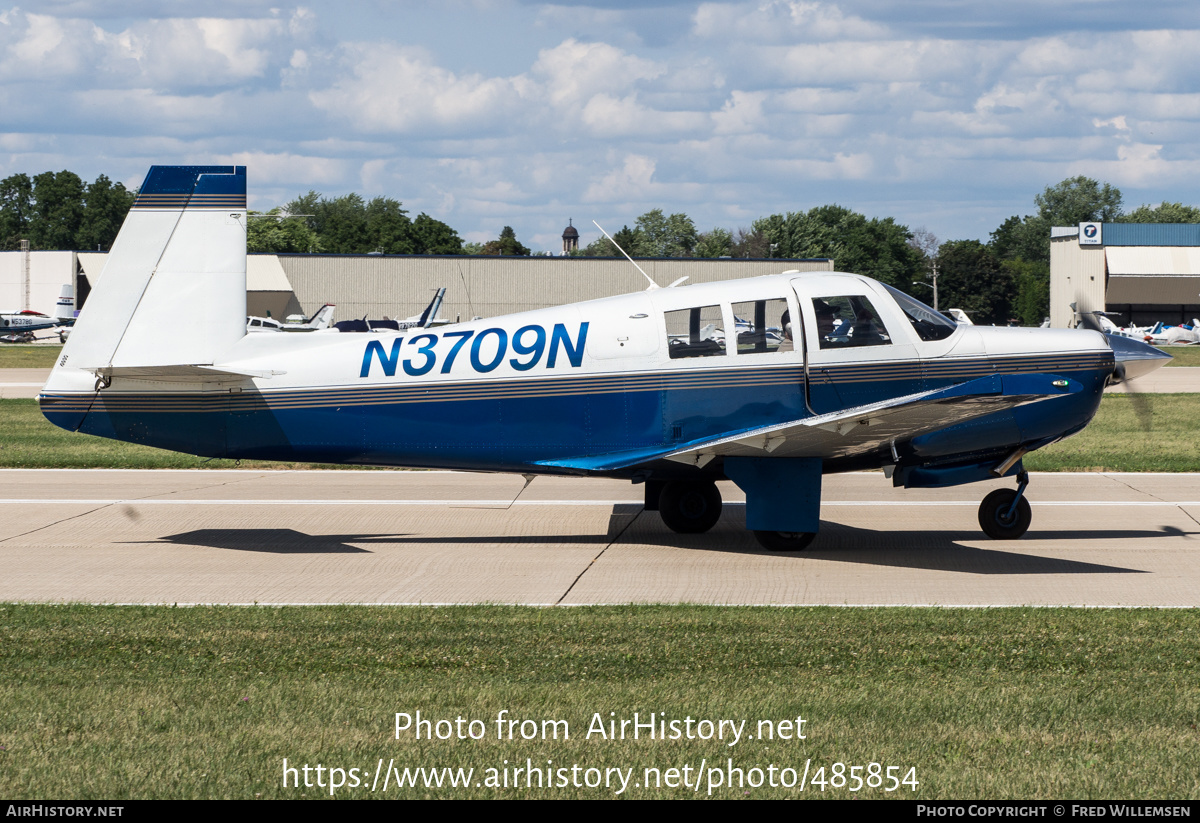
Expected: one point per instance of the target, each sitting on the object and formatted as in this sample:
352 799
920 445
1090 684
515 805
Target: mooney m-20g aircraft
770 382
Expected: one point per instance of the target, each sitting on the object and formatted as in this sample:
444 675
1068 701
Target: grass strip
1116 440
160 702
28 356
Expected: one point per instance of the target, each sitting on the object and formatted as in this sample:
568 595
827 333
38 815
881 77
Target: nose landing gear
1004 514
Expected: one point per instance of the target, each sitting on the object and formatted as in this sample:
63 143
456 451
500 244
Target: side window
762 326
843 322
695 332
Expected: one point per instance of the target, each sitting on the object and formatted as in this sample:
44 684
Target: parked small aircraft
425 320
644 386
293 322
21 325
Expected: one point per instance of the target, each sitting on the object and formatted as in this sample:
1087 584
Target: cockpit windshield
930 324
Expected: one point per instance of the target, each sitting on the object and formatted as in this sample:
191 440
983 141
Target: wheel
995 520
690 506
785 541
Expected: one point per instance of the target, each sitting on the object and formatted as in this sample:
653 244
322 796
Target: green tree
435 237
105 206
57 211
659 235
275 233
627 238
971 278
750 243
715 243
16 210
876 248
506 245
1079 200
1022 238
388 228
1032 303
1163 213
341 225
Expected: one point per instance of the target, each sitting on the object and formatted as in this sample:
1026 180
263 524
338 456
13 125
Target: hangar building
1141 272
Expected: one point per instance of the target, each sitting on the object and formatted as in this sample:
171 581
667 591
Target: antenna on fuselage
649 279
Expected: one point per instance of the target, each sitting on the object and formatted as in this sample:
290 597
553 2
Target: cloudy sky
945 114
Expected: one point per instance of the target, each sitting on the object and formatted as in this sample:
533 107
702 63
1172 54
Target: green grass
1116 440
1183 355
24 356
142 702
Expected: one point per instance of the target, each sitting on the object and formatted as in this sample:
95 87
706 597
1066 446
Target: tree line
1006 279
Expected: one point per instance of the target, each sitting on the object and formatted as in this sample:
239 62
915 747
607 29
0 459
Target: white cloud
631 182
158 54
781 21
741 114
267 168
402 90
571 73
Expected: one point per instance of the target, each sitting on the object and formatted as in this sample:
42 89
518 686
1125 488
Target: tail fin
65 309
173 290
323 317
431 311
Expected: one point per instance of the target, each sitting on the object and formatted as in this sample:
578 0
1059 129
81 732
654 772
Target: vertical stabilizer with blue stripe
173 289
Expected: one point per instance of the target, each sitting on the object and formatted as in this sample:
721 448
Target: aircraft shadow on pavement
926 549
629 525
276 541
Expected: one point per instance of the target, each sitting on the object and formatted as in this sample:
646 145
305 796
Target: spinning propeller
1133 359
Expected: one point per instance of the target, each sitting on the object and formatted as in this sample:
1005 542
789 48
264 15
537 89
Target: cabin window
928 323
762 326
848 321
697 332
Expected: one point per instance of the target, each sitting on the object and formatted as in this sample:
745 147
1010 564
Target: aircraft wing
856 430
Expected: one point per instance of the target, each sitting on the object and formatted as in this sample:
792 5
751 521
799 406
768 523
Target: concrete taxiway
443 537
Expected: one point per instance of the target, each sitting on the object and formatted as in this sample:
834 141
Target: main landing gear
1004 514
690 506
694 507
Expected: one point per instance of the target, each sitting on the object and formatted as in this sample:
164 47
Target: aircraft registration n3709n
770 382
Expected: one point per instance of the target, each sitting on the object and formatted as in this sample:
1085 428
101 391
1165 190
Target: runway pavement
441 537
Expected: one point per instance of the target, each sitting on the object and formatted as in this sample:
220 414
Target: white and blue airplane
20 325
645 386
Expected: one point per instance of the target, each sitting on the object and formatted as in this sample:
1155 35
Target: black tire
785 541
690 506
994 518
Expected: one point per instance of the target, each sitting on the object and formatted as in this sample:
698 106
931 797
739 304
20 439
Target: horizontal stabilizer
184 374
